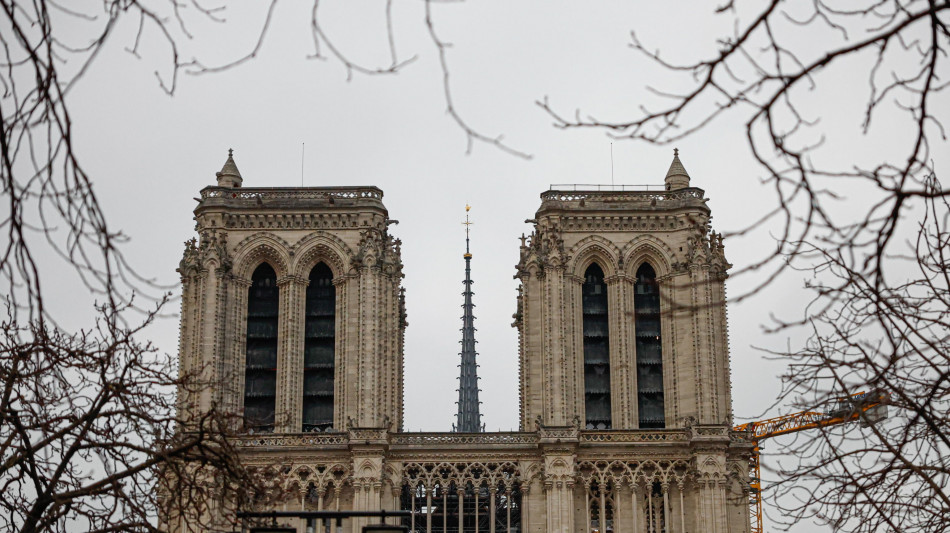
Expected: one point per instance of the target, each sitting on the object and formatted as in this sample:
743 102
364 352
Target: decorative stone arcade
624 369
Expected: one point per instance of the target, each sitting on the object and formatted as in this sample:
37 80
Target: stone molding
405 441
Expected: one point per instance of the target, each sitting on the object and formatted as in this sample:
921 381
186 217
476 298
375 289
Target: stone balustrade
579 200
279 198
628 436
514 438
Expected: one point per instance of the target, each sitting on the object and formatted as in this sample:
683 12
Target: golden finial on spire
467 223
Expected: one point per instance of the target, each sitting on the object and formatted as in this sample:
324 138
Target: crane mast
871 406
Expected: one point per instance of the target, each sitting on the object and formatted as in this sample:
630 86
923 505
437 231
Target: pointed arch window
646 303
260 371
596 350
656 508
319 350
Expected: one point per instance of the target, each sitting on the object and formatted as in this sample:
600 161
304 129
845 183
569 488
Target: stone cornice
435 442
301 221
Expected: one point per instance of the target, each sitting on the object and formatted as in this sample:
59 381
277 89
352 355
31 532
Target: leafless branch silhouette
879 317
90 434
884 327
764 76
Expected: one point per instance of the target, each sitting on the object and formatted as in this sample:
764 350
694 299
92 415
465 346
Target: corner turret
229 176
676 176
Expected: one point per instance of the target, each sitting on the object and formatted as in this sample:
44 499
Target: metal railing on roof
605 187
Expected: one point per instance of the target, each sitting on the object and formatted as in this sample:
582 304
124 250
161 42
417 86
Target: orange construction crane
871 406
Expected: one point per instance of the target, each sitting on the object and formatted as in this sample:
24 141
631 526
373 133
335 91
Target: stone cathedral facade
293 309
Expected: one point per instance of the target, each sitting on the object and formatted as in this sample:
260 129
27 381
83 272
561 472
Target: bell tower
621 309
292 307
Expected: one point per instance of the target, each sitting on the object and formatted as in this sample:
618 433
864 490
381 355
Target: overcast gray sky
149 153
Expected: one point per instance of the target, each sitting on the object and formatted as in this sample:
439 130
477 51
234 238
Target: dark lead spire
468 420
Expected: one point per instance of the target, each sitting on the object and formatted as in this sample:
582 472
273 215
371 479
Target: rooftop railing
292 193
623 193
604 187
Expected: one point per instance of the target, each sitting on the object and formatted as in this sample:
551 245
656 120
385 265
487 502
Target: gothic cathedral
292 306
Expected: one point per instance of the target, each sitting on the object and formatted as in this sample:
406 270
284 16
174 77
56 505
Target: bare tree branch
471 134
897 32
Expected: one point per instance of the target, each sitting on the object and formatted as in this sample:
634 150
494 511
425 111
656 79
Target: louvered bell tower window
596 350
319 343
646 303
260 374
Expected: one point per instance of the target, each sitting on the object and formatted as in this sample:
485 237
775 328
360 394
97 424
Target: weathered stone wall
690 479
619 231
293 230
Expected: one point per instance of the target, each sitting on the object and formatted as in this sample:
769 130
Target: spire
229 176
469 419
676 176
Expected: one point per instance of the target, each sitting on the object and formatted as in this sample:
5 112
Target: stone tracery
257 249
320 246
319 484
595 248
451 495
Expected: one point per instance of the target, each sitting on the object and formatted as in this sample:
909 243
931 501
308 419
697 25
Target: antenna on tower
303 150
611 164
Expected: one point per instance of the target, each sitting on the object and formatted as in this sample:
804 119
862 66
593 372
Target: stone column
557 387
587 507
428 509
707 384
527 523
206 335
368 345
667 513
290 346
342 380
491 520
531 357
679 369
219 353
235 342
682 508
720 346
635 508
711 505
623 397
188 352
559 491
367 486
368 447
574 285
461 500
